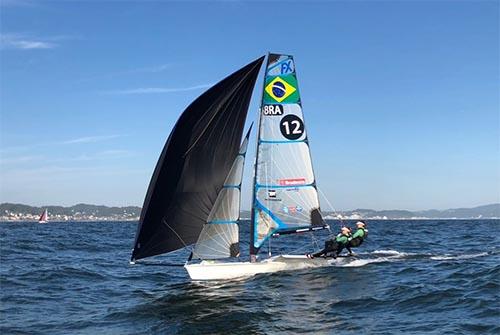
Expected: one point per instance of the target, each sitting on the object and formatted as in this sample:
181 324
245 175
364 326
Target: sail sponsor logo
272 110
292 209
291 181
286 67
281 89
272 196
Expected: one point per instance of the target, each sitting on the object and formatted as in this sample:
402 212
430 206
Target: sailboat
195 193
44 217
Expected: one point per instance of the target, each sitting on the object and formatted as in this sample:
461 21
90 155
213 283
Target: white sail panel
275 121
236 173
227 206
284 164
217 241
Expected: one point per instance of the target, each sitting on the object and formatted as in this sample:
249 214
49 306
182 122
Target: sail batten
285 196
194 164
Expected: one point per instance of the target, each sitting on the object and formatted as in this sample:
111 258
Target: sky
401 98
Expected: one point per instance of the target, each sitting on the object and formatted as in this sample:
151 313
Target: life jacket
357 241
340 235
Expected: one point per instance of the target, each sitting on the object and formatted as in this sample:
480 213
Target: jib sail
285 196
220 235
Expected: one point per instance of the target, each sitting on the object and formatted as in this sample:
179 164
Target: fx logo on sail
286 67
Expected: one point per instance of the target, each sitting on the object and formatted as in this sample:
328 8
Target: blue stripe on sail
222 221
283 186
289 141
282 227
266 210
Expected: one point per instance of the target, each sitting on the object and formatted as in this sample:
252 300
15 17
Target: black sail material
194 164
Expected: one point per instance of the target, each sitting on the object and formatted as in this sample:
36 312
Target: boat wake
394 255
237 270
447 257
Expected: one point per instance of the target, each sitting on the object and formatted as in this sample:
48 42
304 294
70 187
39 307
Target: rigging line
331 207
212 238
314 241
180 238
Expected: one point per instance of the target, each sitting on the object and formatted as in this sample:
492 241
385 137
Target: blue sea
412 277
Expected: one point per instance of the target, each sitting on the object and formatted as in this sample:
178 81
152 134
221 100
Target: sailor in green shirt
334 247
359 236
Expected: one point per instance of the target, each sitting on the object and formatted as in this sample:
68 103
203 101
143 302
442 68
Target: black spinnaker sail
194 164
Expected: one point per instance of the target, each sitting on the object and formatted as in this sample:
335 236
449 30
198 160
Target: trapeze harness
358 240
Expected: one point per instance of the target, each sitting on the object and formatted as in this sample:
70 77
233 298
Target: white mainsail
285 194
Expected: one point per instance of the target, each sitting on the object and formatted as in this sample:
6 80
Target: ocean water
413 277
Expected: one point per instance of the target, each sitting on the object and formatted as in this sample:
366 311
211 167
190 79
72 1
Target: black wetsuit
334 247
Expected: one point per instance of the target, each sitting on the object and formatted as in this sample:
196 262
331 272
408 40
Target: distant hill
9 211
480 212
79 212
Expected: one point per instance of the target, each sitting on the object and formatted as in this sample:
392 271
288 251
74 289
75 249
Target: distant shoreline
11 212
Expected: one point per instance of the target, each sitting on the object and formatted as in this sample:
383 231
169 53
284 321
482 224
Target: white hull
207 270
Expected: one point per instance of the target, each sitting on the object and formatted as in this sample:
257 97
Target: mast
253 251
285 198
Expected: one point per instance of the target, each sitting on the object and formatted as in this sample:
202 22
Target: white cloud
149 90
104 155
79 140
90 139
20 42
148 69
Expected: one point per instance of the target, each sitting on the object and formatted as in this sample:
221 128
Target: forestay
220 235
285 196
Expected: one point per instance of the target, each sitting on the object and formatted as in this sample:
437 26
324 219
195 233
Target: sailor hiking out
334 246
359 236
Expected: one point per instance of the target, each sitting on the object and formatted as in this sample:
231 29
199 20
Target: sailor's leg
348 247
340 247
319 253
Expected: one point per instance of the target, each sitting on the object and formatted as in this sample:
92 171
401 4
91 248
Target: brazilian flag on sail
281 89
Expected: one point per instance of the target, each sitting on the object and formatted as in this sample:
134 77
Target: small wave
446 257
390 253
363 262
